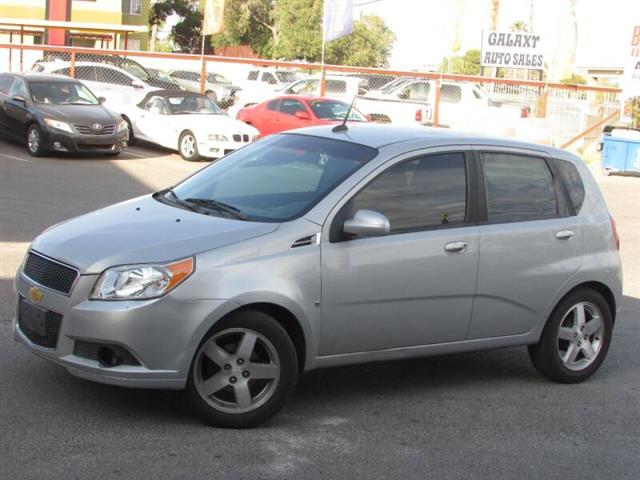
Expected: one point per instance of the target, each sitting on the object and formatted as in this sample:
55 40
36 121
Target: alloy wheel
188 145
580 336
237 370
33 140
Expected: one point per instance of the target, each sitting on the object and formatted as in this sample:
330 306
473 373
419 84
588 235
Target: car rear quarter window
573 182
518 188
253 75
428 192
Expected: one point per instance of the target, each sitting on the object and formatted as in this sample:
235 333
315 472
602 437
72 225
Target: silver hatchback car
319 248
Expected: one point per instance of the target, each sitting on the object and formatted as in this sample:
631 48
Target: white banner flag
337 20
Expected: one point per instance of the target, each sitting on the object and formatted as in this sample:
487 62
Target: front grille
240 138
89 130
52 320
49 273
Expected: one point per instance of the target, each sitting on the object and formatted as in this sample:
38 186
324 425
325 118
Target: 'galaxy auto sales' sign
512 50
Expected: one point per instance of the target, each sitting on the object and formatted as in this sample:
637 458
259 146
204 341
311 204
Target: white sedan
187 122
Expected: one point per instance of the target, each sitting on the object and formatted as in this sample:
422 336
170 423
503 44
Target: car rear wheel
34 141
188 147
576 338
244 371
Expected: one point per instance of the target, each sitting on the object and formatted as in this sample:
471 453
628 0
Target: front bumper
215 149
78 143
161 334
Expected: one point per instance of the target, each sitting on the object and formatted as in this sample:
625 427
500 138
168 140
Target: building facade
108 12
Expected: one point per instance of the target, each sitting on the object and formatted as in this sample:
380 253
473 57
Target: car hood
138 231
79 114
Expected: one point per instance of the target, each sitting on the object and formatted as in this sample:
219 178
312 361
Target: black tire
188 155
113 154
34 141
268 328
131 139
546 354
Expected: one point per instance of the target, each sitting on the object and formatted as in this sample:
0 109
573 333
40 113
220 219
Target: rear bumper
77 143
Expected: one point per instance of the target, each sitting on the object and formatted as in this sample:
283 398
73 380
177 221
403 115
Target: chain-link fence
542 112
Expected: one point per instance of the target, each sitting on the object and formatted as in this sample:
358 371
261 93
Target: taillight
616 237
419 115
524 112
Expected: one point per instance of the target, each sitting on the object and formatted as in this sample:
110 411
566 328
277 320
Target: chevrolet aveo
320 248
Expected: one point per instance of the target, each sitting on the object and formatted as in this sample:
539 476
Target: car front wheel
244 371
34 141
576 338
188 146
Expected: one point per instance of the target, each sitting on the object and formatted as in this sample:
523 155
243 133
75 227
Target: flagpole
323 83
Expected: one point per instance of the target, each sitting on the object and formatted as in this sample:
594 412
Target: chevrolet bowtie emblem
35 294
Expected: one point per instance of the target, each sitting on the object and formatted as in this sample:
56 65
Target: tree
292 30
369 45
185 33
248 22
467 64
574 79
519 26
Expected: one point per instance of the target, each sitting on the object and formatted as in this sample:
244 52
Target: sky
425 33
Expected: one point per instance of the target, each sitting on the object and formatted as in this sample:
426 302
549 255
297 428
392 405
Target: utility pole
493 25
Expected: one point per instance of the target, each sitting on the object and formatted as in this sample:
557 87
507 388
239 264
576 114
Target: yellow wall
27 9
100 11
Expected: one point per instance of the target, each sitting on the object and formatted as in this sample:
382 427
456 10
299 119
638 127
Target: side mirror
19 99
369 117
302 115
102 99
403 95
367 223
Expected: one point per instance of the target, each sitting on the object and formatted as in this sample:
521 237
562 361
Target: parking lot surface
476 415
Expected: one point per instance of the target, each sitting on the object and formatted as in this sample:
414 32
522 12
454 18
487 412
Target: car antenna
343 126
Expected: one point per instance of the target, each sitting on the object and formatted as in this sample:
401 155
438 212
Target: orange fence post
72 67
544 99
436 103
203 75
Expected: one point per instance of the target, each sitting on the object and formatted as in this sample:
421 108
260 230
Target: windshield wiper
177 200
218 205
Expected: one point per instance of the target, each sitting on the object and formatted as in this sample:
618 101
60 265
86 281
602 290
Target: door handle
455 247
564 235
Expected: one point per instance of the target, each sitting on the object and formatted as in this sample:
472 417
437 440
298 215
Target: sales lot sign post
511 50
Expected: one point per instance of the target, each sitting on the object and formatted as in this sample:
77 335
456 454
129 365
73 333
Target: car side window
451 93
108 75
417 91
273 105
427 192
253 75
156 106
18 89
290 107
518 187
573 182
5 83
83 73
305 86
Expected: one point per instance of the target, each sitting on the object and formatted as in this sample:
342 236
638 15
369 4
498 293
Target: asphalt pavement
485 415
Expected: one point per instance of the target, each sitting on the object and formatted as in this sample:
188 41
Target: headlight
57 124
141 282
214 137
122 126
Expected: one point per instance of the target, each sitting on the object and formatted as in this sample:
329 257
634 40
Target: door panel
397 291
414 286
531 249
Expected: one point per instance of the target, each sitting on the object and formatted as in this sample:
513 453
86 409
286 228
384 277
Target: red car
296 111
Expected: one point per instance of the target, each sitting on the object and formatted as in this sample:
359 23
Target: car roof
43 77
378 135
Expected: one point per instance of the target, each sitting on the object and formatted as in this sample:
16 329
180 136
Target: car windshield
276 179
136 70
390 87
217 78
286 77
335 110
161 75
188 104
62 93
